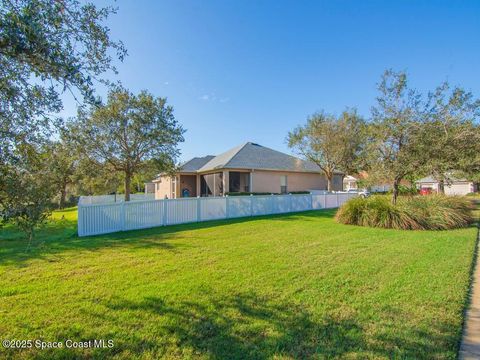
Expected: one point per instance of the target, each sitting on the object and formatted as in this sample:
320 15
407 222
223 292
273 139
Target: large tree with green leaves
394 147
128 132
47 48
95 178
451 136
64 159
30 188
333 143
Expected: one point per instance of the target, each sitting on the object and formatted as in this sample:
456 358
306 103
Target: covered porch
212 184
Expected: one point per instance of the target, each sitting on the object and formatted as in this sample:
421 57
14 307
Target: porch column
178 186
250 181
198 189
226 182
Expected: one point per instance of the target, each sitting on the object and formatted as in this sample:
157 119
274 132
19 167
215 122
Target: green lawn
284 287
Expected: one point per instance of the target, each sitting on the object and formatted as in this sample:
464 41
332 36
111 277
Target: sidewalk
470 346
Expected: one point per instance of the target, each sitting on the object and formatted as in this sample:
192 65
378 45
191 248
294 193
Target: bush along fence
94 219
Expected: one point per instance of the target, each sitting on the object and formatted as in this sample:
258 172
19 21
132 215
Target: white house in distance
351 183
454 187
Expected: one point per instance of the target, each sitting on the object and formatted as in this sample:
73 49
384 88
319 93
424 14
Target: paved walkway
470 346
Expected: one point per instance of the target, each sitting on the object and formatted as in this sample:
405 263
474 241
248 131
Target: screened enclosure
211 184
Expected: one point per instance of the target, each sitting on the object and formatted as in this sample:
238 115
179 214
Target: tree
129 130
46 48
95 178
332 143
63 164
394 146
30 189
451 137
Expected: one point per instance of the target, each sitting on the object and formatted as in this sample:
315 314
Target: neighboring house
351 183
453 187
246 168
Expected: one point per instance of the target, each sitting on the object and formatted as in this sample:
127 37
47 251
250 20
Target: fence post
337 199
227 212
122 216
289 202
324 200
164 212
251 204
80 220
199 209
272 203
311 201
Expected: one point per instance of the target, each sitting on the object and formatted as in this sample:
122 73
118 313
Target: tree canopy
47 48
394 141
127 131
333 143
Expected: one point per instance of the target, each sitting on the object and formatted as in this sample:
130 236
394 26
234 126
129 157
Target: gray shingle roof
254 156
196 163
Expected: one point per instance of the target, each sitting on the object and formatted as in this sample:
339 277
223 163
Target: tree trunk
396 184
441 187
128 177
329 182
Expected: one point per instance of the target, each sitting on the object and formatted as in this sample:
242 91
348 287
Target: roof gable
254 156
195 164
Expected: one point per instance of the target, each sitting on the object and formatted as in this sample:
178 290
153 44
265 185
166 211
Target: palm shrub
434 212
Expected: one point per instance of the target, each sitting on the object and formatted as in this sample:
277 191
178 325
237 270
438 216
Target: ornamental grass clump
434 212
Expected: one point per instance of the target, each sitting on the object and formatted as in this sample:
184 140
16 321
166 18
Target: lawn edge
468 346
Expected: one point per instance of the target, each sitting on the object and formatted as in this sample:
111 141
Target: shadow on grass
248 326
60 235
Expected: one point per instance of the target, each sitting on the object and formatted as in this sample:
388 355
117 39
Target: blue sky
239 71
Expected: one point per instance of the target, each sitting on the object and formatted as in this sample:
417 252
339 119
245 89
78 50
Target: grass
284 287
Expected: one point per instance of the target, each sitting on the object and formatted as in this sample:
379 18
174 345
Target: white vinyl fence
96 219
111 199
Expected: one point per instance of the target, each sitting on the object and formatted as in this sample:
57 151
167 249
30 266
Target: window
283 184
238 181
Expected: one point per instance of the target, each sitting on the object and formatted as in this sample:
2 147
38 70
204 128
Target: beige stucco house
246 168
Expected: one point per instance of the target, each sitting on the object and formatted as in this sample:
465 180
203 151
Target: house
453 187
246 168
351 183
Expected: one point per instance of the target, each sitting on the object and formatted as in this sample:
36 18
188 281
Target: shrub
434 212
